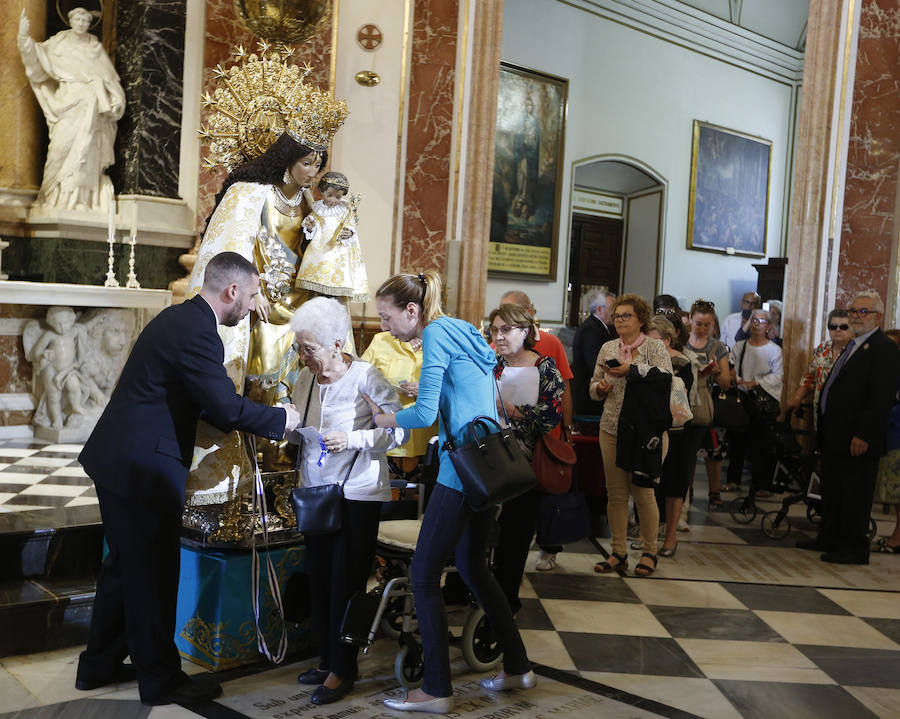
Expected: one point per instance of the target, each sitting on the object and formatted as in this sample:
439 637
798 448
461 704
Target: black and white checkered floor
735 625
37 476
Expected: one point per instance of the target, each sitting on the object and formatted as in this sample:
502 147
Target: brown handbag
553 463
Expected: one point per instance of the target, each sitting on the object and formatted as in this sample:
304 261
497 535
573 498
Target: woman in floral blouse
531 390
823 360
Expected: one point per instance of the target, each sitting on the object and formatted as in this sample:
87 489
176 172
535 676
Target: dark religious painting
729 194
531 115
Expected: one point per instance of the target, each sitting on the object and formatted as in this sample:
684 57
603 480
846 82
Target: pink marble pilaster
478 164
429 130
872 155
809 212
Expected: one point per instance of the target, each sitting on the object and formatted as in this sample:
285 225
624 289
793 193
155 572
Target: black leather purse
491 466
318 508
730 409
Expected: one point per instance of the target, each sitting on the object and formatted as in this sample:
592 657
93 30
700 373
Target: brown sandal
605 567
715 499
645 570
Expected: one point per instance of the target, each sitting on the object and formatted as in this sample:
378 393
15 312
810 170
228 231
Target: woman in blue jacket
456 384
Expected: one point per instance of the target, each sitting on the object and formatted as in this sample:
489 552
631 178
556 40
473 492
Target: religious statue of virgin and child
271 130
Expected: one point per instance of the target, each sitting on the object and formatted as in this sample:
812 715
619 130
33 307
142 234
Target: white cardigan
340 407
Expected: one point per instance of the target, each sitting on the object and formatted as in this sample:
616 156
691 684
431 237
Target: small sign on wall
591 202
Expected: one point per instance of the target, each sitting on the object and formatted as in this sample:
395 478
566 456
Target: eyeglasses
623 317
839 327
305 349
504 330
759 321
671 311
862 313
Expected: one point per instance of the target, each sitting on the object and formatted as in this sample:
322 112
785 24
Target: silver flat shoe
668 552
515 681
439 705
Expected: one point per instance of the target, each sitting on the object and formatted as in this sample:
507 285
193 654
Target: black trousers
848 487
137 593
517 521
339 565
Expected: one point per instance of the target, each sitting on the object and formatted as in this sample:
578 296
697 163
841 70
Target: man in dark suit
853 409
589 338
138 457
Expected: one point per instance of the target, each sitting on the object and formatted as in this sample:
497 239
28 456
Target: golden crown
258 99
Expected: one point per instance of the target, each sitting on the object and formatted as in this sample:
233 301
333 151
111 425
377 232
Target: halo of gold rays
260 97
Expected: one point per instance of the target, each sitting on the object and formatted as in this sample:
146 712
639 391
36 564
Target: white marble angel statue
77 362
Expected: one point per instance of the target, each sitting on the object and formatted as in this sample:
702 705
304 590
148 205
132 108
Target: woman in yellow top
401 362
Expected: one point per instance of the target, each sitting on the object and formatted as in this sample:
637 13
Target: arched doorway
616 221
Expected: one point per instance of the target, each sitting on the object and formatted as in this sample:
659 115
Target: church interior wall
636 94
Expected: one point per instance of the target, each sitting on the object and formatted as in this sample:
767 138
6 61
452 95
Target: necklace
293 202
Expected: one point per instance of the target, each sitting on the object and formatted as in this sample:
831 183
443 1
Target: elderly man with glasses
737 325
853 410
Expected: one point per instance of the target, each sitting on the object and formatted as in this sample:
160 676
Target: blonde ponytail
424 289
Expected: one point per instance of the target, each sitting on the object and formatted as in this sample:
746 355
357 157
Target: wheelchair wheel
480 647
409 666
392 619
743 510
813 514
774 525
873 530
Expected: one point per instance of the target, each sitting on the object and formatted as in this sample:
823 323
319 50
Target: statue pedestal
156 220
214 620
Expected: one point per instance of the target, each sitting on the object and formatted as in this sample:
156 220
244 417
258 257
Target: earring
287 177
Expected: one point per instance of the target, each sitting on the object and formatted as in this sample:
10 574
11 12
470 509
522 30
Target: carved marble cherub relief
77 361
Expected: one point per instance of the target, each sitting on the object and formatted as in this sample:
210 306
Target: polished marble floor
735 625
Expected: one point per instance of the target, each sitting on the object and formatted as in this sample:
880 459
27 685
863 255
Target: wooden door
595 257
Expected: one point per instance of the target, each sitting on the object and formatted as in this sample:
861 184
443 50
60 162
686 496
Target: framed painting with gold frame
528 165
729 194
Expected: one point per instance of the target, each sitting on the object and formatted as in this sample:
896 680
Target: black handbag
318 509
491 466
563 518
762 406
730 409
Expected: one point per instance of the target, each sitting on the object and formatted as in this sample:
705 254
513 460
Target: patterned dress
546 413
817 373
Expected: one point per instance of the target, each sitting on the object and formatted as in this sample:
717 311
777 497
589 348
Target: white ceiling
783 21
614 177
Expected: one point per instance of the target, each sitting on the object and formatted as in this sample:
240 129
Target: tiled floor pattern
735 625
36 475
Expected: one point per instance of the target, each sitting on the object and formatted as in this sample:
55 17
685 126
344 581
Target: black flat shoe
843 558
313 677
124 673
198 688
324 695
813 545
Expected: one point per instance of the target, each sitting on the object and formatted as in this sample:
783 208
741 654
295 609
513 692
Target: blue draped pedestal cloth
215 625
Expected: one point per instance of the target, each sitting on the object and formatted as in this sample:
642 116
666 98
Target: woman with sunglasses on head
455 386
709 360
759 372
813 380
621 361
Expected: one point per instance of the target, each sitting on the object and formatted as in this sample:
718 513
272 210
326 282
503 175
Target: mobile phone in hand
612 362
707 368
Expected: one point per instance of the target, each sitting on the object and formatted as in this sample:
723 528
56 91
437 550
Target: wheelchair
389 610
794 475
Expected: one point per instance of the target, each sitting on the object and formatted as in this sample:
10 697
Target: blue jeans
451 526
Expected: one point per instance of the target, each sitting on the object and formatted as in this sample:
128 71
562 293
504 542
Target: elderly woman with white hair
757 362
328 395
